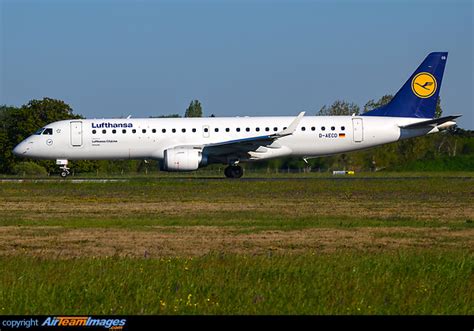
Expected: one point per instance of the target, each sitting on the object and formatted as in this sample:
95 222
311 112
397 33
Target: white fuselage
148 138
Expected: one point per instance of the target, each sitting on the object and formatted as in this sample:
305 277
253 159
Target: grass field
187 245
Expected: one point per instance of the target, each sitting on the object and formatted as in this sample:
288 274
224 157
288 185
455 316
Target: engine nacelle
183 159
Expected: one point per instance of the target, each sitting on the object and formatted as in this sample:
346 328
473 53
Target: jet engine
183 159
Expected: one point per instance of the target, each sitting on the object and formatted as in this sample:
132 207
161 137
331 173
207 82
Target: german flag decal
342 135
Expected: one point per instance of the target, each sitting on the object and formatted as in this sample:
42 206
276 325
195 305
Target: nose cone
20 149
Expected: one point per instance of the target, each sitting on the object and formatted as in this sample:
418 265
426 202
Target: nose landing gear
64 171
63 167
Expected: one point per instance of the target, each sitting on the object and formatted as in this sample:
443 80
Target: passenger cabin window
144 130
94 131
48 131
134 131
238 129
173 130
124 131
257 129
227 129
323 128
163 130
114 131
206 129
343 128
313 128
303 128
275 129
267 129
183 130
247 129
154 130
194 129
333 128
216 129
104 131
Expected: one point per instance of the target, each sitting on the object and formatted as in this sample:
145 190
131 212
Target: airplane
186 144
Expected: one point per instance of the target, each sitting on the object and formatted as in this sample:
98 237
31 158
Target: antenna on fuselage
129 116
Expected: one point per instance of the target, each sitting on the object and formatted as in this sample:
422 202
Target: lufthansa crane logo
424 85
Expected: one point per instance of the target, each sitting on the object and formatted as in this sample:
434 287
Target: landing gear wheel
64 171
63 167
233 172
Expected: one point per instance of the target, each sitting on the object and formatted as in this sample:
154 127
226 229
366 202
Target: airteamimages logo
424 85
75 321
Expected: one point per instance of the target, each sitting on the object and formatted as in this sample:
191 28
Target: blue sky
146 58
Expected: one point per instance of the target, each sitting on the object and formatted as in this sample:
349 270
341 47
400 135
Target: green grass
414 257
277 204
340 283
244 222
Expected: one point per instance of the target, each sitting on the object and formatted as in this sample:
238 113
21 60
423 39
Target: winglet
292 127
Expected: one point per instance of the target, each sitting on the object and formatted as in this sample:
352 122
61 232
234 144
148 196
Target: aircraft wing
431 123
242 146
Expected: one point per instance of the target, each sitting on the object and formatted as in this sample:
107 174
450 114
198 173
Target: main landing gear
63 167
233 171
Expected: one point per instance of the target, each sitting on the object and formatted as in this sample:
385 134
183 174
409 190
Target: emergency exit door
76 133
358 129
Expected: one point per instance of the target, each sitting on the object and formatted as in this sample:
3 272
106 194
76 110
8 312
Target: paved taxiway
250 179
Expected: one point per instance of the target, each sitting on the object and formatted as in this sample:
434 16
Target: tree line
450 150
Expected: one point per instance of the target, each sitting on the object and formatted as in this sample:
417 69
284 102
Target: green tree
372 104
28 168
7 139
438 111
49 110
339 107
194 109
19 123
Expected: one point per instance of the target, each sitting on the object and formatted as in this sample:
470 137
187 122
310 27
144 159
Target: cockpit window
39 131
48 131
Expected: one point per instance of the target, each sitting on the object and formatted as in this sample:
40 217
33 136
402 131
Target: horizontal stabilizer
432 123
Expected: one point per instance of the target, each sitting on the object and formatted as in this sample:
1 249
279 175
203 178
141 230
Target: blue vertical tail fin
419 95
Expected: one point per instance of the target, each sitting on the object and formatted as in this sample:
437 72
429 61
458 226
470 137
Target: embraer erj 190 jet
186 144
